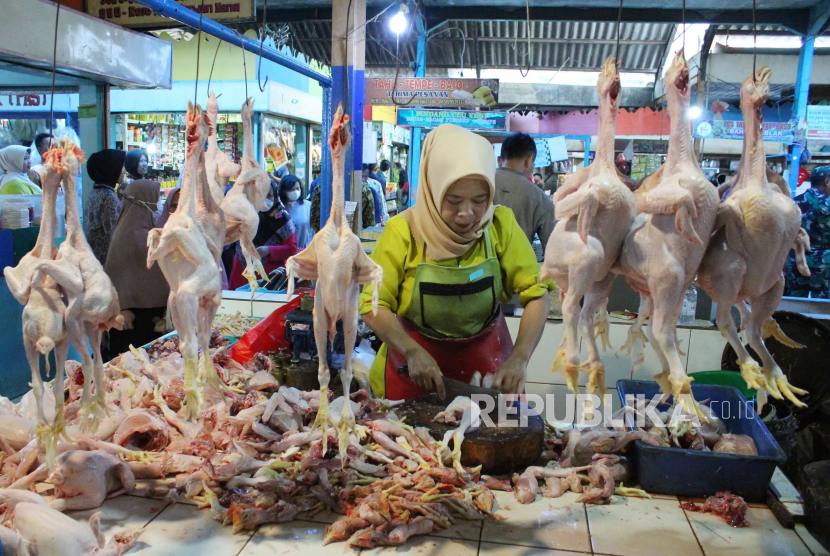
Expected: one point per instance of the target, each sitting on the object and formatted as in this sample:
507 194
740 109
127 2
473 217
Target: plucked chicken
189 266
594 210
668 238
244 201
43 312
219 167
746 256
335 258
92 300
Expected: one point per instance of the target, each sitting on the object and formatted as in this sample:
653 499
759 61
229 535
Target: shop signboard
489 121
542 154
433 92
818 122
26 101
780 132
129 14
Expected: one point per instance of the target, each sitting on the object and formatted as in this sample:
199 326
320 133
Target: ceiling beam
818 17
797 20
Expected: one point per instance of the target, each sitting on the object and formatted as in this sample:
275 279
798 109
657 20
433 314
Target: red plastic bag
268 335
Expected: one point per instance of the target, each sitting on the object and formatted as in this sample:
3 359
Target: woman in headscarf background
15 163
142 292
136 164
171 204
448 263
291 195
106 169
275 240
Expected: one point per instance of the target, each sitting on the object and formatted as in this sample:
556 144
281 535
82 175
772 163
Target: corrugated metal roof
503 44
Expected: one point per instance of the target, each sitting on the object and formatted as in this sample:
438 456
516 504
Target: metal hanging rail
186 16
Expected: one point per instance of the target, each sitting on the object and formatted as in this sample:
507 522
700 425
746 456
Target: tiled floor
548 527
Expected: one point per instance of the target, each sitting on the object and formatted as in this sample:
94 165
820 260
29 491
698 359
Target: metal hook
244 64
261 43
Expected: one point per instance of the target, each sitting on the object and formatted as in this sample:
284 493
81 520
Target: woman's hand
424 371
510 378
264 253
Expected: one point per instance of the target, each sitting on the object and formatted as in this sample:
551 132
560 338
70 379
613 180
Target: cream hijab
449 153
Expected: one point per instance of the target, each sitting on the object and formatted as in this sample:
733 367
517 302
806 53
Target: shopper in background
403 188
291 195
516 190
106 169
314 183
378 177
41 143
275 240
142 292
137 164
378 198
367 214
385 168
15 163
539 180
815 219
170 206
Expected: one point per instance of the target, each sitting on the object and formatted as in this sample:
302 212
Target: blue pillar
415 143
348 48
802 91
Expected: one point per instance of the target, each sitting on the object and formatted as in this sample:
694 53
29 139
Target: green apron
456 302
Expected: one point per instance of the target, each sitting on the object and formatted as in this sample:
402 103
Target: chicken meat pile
255 459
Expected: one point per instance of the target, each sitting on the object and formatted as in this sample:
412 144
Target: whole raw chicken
244 201
43 311
93 302
219 167
746 256
668 238
594 210
38 530
83 480
190 268
335 258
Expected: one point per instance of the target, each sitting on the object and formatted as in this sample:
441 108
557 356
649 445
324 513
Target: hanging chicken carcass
666 243
188 263
335 258
758 225
594 210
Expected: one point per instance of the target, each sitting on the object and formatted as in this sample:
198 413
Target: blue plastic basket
692 473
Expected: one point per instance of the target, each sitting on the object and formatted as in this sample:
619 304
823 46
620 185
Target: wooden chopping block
499 451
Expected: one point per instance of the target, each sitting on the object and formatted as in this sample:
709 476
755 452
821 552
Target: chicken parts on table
183 252
37 530
244 201
92 300
218 166
746 256
83 480
44 310
594 210
668 238
335 258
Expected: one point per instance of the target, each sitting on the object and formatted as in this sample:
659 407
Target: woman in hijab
136 164
275 240
448 263
106 168
170 206
142 292
291 195
15 163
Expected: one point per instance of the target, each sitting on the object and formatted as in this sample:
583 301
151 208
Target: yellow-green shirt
20 187
400 255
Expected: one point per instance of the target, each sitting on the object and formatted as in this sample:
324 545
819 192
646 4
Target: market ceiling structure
565 34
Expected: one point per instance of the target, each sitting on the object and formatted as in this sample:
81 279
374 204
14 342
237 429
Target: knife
457 388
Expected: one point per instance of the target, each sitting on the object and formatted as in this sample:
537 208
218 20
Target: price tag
351 206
